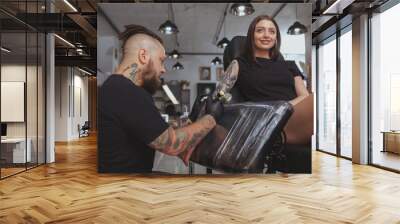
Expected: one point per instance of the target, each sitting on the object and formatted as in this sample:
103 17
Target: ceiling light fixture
223 43
64 40
242 9
297 28
80 51
216 61
175 54
178 66
5 49
84 71
70 5
168 28
337 7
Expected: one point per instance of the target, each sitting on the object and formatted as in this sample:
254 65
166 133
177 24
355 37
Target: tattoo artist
130 126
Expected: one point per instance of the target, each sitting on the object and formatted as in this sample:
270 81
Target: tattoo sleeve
229 78
175 141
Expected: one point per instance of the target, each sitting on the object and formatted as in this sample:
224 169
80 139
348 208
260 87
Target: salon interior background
201 28
33 58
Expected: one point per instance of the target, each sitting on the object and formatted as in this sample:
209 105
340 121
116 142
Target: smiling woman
263 38
260 72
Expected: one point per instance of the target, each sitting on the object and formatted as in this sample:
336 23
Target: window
346 93
327 96
22 88
385 87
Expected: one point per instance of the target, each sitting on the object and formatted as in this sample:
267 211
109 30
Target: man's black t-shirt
128 122
267 80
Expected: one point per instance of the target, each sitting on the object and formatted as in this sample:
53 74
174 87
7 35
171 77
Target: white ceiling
197 22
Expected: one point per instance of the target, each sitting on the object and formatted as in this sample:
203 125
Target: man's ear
143 56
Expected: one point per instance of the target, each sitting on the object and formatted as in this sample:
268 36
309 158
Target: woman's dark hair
250 44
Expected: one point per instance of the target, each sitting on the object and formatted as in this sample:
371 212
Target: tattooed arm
229 79
182 141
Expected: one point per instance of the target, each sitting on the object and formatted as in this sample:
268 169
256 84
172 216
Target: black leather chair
298 157
84 130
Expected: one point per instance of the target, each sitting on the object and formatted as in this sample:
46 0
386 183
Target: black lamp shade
177 66
242 9
223 43
216 61
296 29
175 54
168 28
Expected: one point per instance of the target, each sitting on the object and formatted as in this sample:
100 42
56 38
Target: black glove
214 108
197 105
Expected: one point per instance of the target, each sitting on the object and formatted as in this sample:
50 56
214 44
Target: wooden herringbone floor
71 191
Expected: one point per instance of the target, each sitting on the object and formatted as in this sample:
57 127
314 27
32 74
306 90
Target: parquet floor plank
71 191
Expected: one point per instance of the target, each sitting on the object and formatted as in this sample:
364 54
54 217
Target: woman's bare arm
301 90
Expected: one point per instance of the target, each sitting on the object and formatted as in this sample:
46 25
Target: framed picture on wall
220 73
205 73
205 88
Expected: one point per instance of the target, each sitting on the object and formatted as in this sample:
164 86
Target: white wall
61 103
12 73
33 126
107 49
191 71
80 84
69 82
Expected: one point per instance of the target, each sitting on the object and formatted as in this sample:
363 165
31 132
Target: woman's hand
297 100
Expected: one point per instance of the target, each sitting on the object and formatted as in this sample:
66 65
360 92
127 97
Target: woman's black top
267 80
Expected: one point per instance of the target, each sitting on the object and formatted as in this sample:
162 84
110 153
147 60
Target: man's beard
151 83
